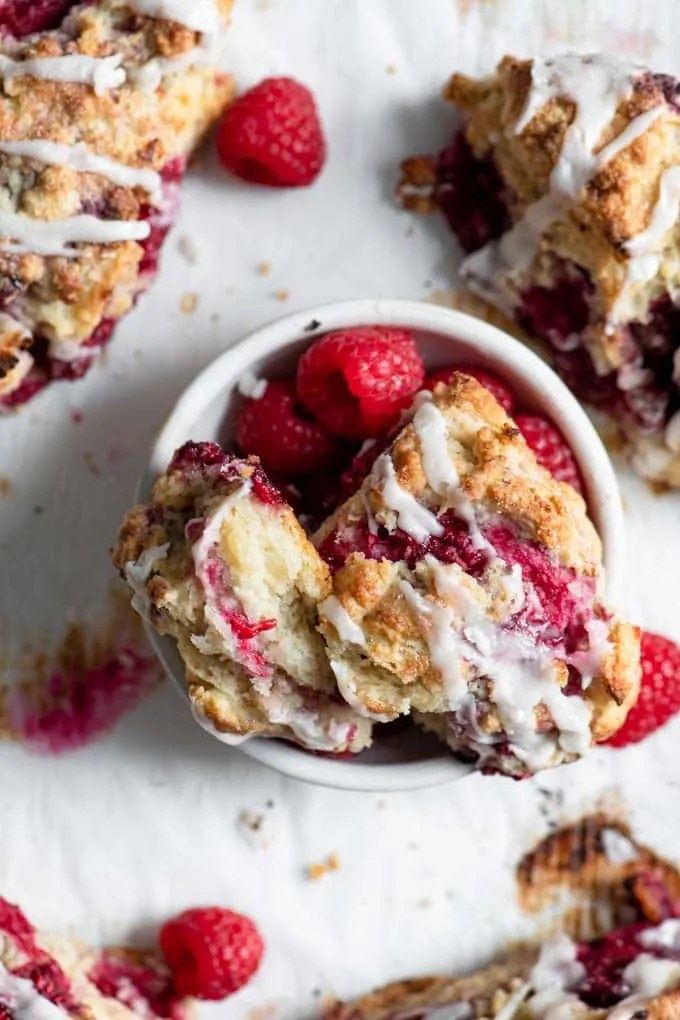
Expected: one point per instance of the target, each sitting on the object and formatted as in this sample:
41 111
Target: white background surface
109 841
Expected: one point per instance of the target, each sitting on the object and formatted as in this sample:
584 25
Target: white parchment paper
109 841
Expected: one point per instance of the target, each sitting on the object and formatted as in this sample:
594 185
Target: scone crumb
391 69
263 268
316 871
282 295
265 1012
187 248
254 828
5 486
188 303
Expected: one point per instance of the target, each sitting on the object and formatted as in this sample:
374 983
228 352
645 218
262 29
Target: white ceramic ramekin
445 338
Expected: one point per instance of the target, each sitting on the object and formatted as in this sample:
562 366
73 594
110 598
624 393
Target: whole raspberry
211 952
496 387
659 694
357 381
551 449
272 135
273 430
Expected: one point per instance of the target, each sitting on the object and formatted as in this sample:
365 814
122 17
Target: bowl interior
208 411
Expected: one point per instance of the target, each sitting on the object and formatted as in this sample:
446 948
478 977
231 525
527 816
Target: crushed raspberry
141 987
357 381
23 17
469 192
210 458
496 387
560 313
14 923
273 429
193 456
605 961
551 449
211 952
352 477
272 135
50 981
246 629
659 698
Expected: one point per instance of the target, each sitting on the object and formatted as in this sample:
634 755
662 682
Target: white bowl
444 337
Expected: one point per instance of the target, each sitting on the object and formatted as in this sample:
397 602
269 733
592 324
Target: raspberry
15 924
496 387
660 692
273 430
550 448
22 18
211 952
357 381
49 981
272 135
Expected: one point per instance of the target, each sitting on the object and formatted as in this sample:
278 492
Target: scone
633 972
46 978
563 185
98 117
467 589
218 561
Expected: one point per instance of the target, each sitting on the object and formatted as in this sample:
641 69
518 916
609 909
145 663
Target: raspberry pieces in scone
218 561
467 589
100 108
48 977
562 185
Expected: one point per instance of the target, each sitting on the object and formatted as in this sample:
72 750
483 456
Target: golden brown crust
385 639
64 300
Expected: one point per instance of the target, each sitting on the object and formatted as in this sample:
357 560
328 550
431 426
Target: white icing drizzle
618 849
597 85
24 1001
53 237
101 72
137 573
79 158
437 623
646 976
552 978
412 517
440 471
250 386
347 628
348 691
198 15
665 936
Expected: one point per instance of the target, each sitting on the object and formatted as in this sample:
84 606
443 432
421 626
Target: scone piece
563 185
218 561
467 589
633 972
43 976
98 117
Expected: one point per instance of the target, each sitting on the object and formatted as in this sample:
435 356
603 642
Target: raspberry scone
467 589
563 185
633 972
218 561
47 978
102 104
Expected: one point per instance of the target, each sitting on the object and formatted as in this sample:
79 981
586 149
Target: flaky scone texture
592 220
152 121
218 561
460 566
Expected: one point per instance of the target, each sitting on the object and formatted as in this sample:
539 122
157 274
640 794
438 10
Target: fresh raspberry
14 923
211 952
357 381
273 430
49 981
272 135
20 18
496 387
550 448
660 692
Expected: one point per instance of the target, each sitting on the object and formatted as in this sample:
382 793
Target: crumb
254 828
426 903
265 1012
316 993
282 295
312 326
91 463
263 268
188 303
316 871
5 486
659 488
76 417
391 69
186 246
38 510
269 804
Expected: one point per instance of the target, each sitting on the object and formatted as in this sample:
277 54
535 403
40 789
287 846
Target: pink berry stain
84 692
